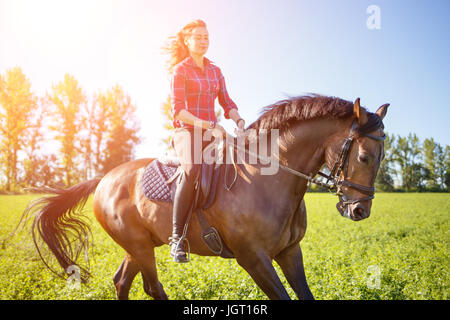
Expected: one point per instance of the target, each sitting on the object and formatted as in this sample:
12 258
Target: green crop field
399 252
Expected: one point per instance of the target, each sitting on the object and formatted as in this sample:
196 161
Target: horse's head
355 165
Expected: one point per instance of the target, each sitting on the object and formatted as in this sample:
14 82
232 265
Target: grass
400 252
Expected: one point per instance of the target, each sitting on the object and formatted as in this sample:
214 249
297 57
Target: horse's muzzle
358 212
354 211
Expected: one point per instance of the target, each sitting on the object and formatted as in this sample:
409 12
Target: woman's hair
175 47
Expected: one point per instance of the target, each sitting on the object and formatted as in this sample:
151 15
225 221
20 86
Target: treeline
410 165
63 137
67 136
414 165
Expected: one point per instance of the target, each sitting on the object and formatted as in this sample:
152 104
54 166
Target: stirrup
178 241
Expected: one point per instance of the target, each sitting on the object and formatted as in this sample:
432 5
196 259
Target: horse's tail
59 222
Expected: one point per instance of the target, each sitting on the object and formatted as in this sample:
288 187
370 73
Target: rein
334 183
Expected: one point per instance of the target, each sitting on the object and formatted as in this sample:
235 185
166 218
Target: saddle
168 168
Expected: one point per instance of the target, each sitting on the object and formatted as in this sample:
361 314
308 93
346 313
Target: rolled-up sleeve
224 99
177 91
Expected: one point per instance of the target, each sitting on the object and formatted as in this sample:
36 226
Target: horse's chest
295 226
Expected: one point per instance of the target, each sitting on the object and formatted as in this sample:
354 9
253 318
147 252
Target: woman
195 84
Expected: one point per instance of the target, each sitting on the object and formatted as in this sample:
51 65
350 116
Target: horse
261 219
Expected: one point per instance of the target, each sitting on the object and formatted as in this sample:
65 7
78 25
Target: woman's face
197 41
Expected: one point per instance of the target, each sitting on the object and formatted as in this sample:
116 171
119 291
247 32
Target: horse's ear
381 112
359 112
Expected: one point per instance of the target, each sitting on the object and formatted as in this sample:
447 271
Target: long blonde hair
175 48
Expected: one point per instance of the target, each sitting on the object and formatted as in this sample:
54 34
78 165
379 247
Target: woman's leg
184 194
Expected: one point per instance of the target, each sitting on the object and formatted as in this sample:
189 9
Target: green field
403 245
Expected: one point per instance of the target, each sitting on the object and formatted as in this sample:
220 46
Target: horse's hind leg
145 259
291 262
124 277
140 257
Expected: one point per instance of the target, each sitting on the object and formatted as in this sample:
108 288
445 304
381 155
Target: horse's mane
284 113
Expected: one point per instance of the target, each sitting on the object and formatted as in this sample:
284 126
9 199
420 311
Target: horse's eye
364 158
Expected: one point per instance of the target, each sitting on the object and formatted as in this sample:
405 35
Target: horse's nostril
358 212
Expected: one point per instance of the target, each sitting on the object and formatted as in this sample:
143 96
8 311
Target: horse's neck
303 147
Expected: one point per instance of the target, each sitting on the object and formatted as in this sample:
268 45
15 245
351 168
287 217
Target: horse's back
130 166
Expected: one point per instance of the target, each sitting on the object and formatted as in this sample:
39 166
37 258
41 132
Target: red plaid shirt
195 90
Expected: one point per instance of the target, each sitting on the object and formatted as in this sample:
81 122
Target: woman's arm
177 92
228 105
189 118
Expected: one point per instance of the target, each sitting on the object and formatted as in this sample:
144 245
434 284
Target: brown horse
262 218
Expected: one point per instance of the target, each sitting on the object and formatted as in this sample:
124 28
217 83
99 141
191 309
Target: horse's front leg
291 262
260 268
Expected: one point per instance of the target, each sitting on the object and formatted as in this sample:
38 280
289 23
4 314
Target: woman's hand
241 124
239 131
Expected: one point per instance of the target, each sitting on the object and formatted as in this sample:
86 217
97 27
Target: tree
46 172
417 175
401 155
433 162
93 130
16 106
67 98
408 155
122 128
429 156
96 124
445 171
384 180
34 137
166 110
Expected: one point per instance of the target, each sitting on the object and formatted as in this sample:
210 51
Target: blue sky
266 50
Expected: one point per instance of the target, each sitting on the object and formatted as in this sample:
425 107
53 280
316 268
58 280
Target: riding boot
184 195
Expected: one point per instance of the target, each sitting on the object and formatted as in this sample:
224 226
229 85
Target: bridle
341 165
334 182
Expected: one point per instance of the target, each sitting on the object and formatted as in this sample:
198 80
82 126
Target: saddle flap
206 179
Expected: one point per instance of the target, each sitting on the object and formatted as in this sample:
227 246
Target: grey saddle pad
154 181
